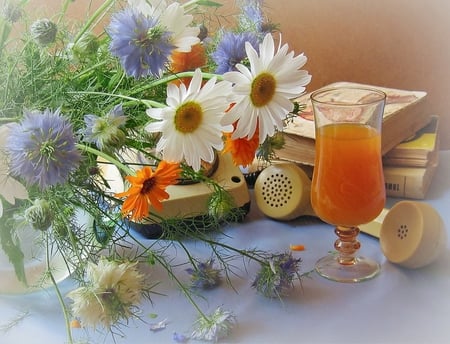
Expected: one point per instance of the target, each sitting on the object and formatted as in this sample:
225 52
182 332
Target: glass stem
347 244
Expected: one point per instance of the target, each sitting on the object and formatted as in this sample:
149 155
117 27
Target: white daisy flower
173 19
150 8
263 93
190 124
10 188
176 21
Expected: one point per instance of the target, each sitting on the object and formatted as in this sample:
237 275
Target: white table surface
398 306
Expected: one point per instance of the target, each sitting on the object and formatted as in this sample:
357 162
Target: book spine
404 185
395 184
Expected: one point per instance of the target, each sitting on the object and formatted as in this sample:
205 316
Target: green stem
233 249
108 158
13 70
64 10
5 29
8 119
92 68
147 102
174 77
100 11
167 267
183 288
192 4
58 292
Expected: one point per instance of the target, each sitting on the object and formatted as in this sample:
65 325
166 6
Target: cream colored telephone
411 233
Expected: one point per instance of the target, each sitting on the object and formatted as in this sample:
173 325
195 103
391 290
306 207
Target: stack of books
410 166
404 116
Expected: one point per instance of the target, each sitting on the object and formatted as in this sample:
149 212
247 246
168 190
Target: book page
303 124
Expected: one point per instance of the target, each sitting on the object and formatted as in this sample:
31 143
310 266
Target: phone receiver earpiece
412 234
283 191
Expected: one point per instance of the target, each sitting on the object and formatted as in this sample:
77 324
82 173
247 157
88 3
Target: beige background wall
392 43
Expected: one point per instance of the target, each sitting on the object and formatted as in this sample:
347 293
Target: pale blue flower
252 15
42 148
216 326
140 42
180 338
231 50
275 278
105 131
252 18
204 275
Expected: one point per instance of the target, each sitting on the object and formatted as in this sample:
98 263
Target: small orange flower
182 62
148 189
297 247
75 323
242 150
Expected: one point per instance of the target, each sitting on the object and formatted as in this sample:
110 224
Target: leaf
209 3
12 189
11 246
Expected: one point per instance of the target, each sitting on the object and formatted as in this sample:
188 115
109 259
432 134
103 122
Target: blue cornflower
42 148
105 131
141 44
231 50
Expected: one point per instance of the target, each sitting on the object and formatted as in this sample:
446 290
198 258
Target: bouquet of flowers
157 96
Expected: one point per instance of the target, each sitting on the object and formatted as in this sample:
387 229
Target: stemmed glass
348 185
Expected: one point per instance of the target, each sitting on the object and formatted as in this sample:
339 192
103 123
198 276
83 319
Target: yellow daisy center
263 89
188 117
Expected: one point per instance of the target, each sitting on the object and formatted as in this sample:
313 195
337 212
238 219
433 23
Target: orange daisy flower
242 150
148 189
182 62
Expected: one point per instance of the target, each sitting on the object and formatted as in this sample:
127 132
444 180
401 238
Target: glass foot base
361 270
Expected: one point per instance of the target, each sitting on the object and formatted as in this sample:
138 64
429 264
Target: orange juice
348 183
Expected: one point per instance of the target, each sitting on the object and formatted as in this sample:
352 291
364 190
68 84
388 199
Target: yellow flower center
188 117
263 89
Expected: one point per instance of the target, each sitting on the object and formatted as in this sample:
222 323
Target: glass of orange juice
348 185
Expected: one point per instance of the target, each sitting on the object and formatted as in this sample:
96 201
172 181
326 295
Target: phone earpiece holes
402 232
277 190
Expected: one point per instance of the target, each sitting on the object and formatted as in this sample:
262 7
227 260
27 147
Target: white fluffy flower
215 327
111 293
190 124
263 92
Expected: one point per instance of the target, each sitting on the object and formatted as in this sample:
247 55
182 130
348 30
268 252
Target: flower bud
220 205
39 215
116 139
87 45
44 31
12 11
